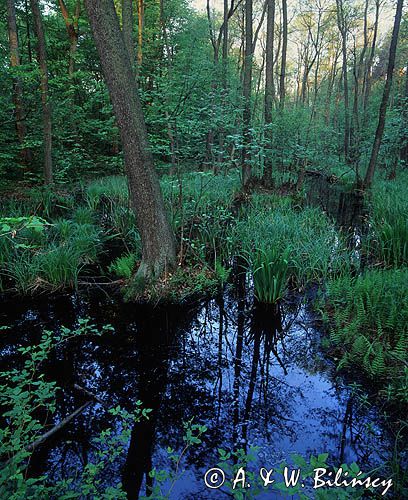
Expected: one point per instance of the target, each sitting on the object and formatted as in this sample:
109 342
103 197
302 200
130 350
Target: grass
270 270
387 243
60 266
318 251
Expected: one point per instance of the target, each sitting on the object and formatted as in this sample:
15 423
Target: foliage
123 266
370 318
317 251
27 397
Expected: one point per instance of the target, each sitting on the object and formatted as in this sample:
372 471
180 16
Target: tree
246 92
71 24
342 23
17 87
384 102
269 84
46 110
158 245
127 27
282 90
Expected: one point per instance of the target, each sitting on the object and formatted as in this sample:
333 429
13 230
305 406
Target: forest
203 249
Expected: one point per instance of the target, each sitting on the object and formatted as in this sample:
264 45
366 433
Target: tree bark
127 28
15 62
247 88
282 91
158 245
384 102
46 110
140 25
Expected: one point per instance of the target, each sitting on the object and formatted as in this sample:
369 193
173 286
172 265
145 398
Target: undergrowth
370 328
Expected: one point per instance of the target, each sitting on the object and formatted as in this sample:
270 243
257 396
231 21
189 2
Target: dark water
255 376
252 375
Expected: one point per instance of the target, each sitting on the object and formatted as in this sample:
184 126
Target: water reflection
253 374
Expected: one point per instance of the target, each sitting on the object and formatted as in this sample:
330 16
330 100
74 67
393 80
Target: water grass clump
270 270
318 251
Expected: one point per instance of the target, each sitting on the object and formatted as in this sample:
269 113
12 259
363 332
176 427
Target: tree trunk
158 245
71 24
269 87
368 76
282 91
384 102
404 119
46 110
247 87
127 28
343 28
15 62
140 25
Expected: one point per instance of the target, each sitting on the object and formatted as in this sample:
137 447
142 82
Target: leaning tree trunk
384 102
17 87
46 110
127 28
158 245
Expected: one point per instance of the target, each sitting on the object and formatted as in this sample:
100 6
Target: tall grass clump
24 271
318 251
113 189
59 267
387 241
370 327
270 270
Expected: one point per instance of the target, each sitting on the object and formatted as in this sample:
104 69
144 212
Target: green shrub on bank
22 393
370 327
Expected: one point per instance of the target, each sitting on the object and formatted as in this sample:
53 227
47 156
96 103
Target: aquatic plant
317 249
24 271
387 240
270 268
59 266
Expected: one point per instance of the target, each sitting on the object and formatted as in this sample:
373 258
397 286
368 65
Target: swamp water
253 376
